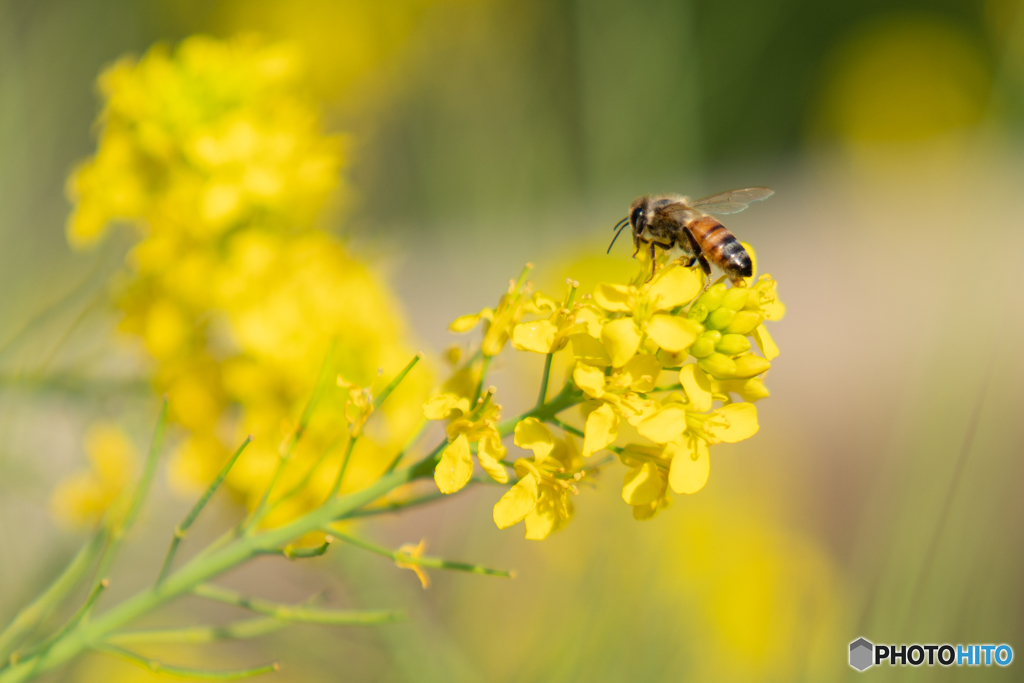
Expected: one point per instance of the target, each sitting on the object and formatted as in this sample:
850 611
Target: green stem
302 553
121 529
238 549
483 377
377 402
236 630
31 615
336 488
199 570
262 508
544 380
182 529
399 506
296 613
183 672
429 562
71 623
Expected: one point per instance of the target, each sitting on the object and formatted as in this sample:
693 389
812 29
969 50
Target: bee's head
636 219
638 214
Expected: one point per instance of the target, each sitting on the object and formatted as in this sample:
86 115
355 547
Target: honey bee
671 220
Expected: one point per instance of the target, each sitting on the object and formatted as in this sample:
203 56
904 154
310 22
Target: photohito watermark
864 654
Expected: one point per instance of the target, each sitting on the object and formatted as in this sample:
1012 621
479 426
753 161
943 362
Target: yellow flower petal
537 336
541 520
741 419
589 379
588 321
621 339
455 468
675 286
642 485
531 433
766 343
672 333
601 430
642 370
516 503
748 389
441 406
691 465
489 452
589 350
664 425
614 298
467 322
697 386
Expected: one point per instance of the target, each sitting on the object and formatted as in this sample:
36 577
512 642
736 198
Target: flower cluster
213 153
623 342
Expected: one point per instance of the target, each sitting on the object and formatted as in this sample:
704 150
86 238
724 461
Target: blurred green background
879 498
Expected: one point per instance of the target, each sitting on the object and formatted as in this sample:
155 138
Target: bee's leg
654 257
638 241
704 265
699 256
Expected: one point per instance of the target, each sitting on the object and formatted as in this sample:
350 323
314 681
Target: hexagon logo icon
861 654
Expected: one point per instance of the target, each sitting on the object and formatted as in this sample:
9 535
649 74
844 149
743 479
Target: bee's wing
677 211
732 201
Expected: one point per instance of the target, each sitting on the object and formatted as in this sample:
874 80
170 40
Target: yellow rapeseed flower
541 498
625 339
465 427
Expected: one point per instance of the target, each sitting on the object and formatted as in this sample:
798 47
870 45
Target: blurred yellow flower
214 153
81 499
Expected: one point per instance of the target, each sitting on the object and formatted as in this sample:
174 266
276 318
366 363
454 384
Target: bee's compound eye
635 216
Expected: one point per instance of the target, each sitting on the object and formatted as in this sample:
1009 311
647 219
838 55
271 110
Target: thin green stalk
383 396
121 529
544 380
483 377
199 570
344 466
32 614
302 553
183 672
238 549
400 505
70 624
190 518
262 509
308 476
297 613
428 562
236 630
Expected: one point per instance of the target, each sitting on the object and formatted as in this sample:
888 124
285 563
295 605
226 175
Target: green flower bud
714 335
718 366
733 344
743 322
712 298
720 318
736 298
705 345
697 312
750 365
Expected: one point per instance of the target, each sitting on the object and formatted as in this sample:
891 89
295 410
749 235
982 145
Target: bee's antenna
624 220
621 225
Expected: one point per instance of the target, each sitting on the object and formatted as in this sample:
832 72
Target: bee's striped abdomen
721 247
